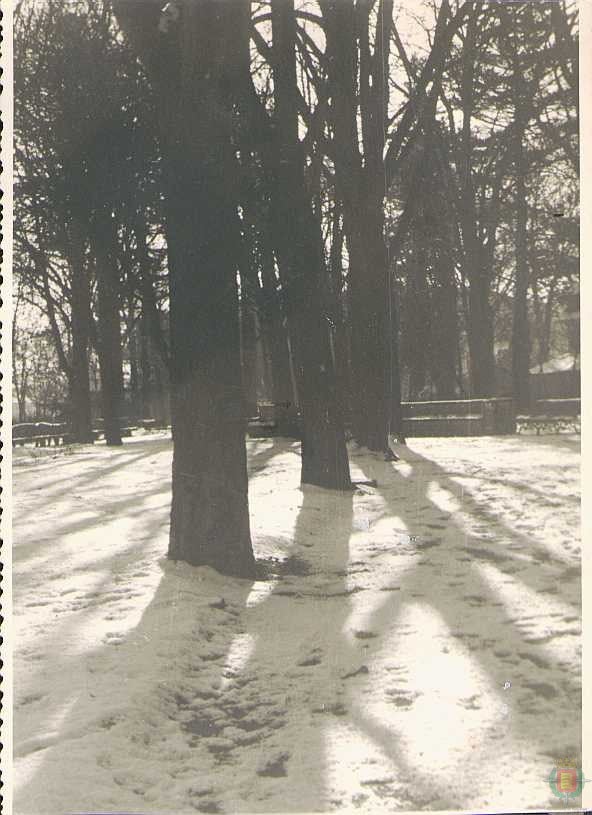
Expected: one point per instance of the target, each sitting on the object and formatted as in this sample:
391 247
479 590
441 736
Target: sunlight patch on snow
51 735
95 630
520 599
100 612
255 447
430 708
260 592
510 514
540 617
388 714
403 468
364 605
26 769
36 625
516 519
86 547
239 653
444 499
389 528
354 760
387 536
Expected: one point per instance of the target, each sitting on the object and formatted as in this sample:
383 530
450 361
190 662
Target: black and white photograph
292 373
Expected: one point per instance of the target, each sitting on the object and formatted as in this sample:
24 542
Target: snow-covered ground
416 645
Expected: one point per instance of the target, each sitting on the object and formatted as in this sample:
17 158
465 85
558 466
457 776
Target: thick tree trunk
265 330
300 254
370 302
248 330
360 186
480 337
135 386
444 339
145 370
150 312
545 342
284 391
275 331
341 340
417 330
248 306
274 336
324 454
396 427
374 354
22 409
476 271
209 515
372 364
154 350
520 328
191 66
282 385
109 328
80 413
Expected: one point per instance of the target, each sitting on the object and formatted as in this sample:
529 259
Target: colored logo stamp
566 779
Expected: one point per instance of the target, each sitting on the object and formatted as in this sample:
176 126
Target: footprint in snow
474 599
470 702
29 700
200 792
314 658
363 669
274 766
427 544
402 701
542 689
364 635
113 638
207 806
536 660
220 745
109 721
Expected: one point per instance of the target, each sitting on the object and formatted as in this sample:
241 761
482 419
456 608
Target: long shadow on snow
109 511
459 594
197 711
126 458
125 722
299 659
102 595
259 454
285 730
106 512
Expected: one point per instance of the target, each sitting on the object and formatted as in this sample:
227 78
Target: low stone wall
459 417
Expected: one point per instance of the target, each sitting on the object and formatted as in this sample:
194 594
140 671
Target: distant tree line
216 195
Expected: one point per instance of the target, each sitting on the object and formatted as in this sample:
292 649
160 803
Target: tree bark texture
300 254
360 186
80 417
480 316
520 327
191 64
248 325
109 326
